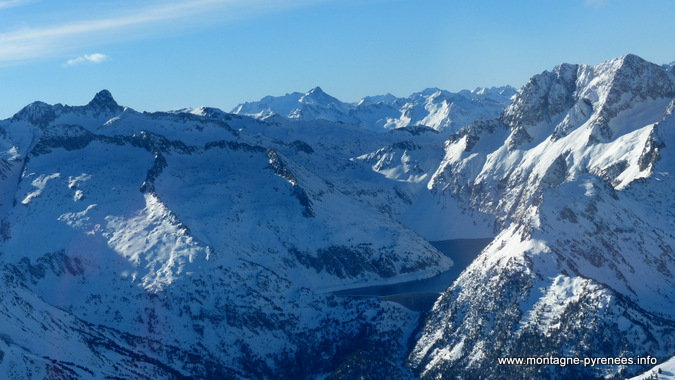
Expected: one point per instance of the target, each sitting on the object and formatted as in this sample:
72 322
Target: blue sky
162 55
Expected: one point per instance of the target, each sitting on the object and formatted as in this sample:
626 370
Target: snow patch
39 183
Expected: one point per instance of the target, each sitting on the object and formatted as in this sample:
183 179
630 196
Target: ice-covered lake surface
461 251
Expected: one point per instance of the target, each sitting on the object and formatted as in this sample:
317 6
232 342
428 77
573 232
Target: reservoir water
420 294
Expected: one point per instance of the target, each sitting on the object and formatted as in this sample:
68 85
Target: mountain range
203 244
440 110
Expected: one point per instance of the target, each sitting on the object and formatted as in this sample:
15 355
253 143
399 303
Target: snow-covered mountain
204 244
441 110
193 245
577 171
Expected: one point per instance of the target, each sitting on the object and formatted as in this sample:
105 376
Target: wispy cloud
31 43
13 3
36 42
87 58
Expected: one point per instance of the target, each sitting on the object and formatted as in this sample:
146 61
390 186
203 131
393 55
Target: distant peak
430 91
317 96
631 68
37 113
632 59
627 61
103 100
385 99
103 95
316 90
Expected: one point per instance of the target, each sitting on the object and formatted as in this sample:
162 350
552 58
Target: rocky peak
632 79
632 60
104 101
37 113
316 91
598 92
544 96
381 99
319 97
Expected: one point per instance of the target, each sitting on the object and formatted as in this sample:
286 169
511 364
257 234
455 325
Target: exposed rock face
577 180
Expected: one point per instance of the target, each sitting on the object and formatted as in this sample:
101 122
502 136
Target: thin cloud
13 3
32 43
87 58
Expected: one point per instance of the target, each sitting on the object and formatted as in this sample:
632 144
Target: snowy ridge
433 108
576 170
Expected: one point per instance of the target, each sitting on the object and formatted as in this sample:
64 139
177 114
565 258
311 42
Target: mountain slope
576 171
205 256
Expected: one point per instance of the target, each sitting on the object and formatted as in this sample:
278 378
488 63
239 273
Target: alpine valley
203 244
